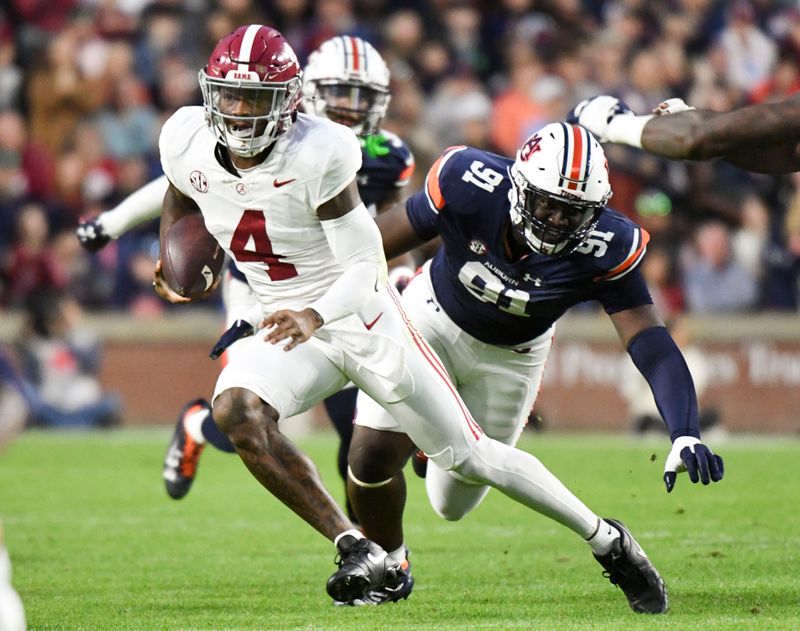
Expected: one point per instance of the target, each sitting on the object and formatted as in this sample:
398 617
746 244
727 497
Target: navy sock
215 437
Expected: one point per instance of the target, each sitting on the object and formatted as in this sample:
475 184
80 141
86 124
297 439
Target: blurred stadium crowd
86 84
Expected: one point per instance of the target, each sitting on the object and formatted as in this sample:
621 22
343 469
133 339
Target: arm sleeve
356 244
138 207
660 361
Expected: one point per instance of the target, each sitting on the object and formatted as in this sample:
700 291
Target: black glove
238 330
91 235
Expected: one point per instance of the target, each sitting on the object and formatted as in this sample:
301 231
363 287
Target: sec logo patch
198 181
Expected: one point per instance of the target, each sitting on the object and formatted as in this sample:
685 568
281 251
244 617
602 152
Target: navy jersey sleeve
423 207
620 284
625 293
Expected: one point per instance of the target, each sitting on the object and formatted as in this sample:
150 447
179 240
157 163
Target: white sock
627 129
193 425
399 555
602 540
352 532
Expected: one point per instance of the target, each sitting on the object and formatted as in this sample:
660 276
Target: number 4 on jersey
252 228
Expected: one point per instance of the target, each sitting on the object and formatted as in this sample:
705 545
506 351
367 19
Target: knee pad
366 485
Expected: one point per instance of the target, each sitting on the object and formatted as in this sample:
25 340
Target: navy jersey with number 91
498 301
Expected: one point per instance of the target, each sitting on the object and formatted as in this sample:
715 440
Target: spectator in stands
714 280
59 362
30 267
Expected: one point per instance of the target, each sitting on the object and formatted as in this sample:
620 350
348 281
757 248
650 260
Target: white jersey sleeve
174 142
342 165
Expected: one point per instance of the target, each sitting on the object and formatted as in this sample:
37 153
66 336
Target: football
191 259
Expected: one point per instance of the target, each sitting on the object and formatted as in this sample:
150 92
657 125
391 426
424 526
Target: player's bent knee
477 467
376 456
239 413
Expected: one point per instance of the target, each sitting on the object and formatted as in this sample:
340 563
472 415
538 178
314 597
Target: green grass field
97 544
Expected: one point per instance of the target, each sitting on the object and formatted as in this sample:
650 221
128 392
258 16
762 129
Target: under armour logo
431 302
537 282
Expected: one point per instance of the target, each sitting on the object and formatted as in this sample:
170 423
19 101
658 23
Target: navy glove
690 455
92 235
238 330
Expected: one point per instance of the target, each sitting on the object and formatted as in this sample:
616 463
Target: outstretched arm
140 206
397 232
658 358
763 138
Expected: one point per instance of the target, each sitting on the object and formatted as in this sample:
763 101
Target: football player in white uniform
277 190
347 81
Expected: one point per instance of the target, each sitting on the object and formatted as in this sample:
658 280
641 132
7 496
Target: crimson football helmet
347 81
559 188
251 88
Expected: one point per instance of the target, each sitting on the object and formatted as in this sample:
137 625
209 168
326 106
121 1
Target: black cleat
419 462
363 567
628 567
401 591
183 454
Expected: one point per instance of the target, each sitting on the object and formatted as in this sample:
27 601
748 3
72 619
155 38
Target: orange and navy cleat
180 463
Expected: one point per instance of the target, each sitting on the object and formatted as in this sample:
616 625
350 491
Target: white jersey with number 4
265 218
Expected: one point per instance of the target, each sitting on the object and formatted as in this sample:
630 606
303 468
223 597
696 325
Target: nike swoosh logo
372 324
209 276
278 184
380 557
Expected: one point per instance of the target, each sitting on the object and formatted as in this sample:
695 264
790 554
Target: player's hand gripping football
91 235
161 287
596 113
296 326
690 455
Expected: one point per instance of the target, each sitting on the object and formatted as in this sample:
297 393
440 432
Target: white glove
596 113
672 106
689 454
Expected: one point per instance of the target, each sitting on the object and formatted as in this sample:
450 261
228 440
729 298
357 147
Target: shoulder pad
618 245
180 128
438 172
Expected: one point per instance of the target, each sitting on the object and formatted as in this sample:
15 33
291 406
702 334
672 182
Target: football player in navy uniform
764 138
523 241
347 81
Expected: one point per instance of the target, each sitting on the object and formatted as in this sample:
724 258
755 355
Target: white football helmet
347 81
560 176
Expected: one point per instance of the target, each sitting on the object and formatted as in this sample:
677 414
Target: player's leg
261 384
377 491
341 408
375 483
437 420
498 386
12 613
